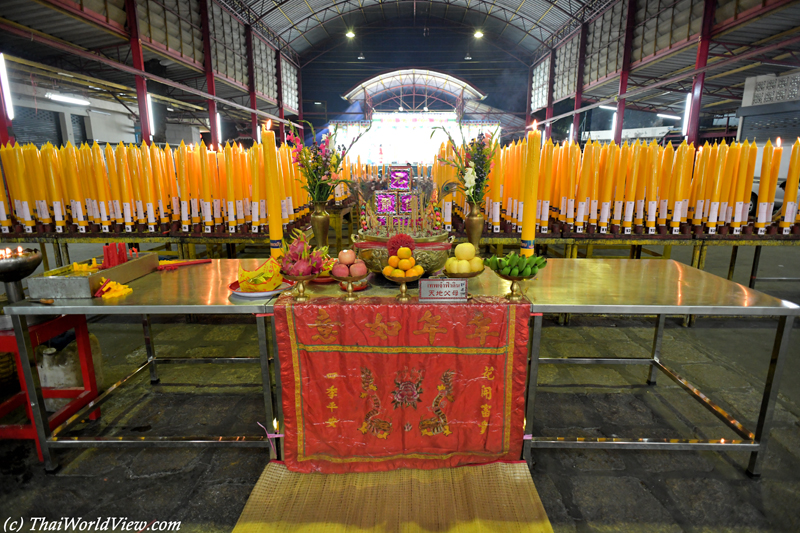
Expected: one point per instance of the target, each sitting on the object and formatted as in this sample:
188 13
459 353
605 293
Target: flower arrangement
320 163
473 162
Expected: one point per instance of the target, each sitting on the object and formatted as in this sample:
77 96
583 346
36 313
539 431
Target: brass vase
320 223
474 224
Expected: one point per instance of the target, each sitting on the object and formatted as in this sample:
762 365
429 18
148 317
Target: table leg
151 352
696 255
45 259
57 254
65 252
533 375
278 388
338 229
656 352
263 352
776 363
732 267
35 399
754 271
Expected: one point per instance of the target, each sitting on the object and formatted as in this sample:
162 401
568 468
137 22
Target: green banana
515 271
526 273
506 271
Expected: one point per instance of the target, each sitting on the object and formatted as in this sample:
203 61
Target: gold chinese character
482 327
332 406
484 425
331 392
382 329
326 328
331 375
488 372
431 326
486 392
331 422
486 410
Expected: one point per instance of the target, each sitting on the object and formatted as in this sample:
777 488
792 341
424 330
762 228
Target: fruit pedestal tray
463 274
431 255
300 288
515 295
350 297
403 297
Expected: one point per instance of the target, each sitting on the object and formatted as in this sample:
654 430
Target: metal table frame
753 441
58 439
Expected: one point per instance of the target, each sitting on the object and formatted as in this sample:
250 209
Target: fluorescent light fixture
571 131
93 87
609 107
170 109
150 121
672 117
96 112
258 134
614 123
350 34
478 34
685 127
6 88
65 74
219 128
317 103
66 99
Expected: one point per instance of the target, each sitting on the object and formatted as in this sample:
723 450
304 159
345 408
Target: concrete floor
605 491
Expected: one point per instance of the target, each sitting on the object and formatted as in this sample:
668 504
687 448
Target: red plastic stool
40 334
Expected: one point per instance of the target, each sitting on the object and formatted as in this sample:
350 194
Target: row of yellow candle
637 184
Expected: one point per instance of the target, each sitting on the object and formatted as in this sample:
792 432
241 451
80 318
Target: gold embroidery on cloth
326 330
431 326
481 323
381 329
379 428
438 424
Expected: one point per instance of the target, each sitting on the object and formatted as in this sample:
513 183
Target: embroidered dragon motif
438 423
379 428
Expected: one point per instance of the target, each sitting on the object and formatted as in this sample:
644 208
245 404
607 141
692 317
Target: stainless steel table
661 288
197 290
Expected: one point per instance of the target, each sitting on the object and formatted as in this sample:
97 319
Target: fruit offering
403 265
347 266
464 261
299 259
516 265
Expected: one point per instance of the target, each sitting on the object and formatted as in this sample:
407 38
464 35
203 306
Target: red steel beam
300 98
576 118
548 113
209 70
251 80
138 64
626 69
693 128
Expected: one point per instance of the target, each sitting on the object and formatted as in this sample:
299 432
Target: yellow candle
546 189
728 181
762 214
777 154
531 190
698 184
273 192
630 187
708 180
620 183
716 191
205 173
789 208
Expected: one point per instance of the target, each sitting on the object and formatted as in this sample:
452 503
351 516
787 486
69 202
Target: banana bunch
517 265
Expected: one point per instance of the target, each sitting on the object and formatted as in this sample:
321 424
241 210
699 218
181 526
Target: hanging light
350 34
478 34
361 56
6 87
425 109
467 57
66 99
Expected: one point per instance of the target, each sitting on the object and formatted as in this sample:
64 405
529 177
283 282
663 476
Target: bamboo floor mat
483 498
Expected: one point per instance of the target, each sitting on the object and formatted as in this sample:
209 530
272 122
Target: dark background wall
402 45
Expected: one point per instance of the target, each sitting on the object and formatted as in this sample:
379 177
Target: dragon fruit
302 268
299 259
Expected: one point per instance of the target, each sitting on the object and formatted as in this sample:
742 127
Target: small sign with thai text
437 290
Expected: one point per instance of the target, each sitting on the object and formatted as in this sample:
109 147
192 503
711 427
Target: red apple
340 270
358 269
347 257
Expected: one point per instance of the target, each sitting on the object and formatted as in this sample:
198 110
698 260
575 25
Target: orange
405 264
397 273
404 253
393 261
413 261
418 270
388 270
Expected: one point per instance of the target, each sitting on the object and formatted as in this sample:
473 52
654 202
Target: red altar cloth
378 385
